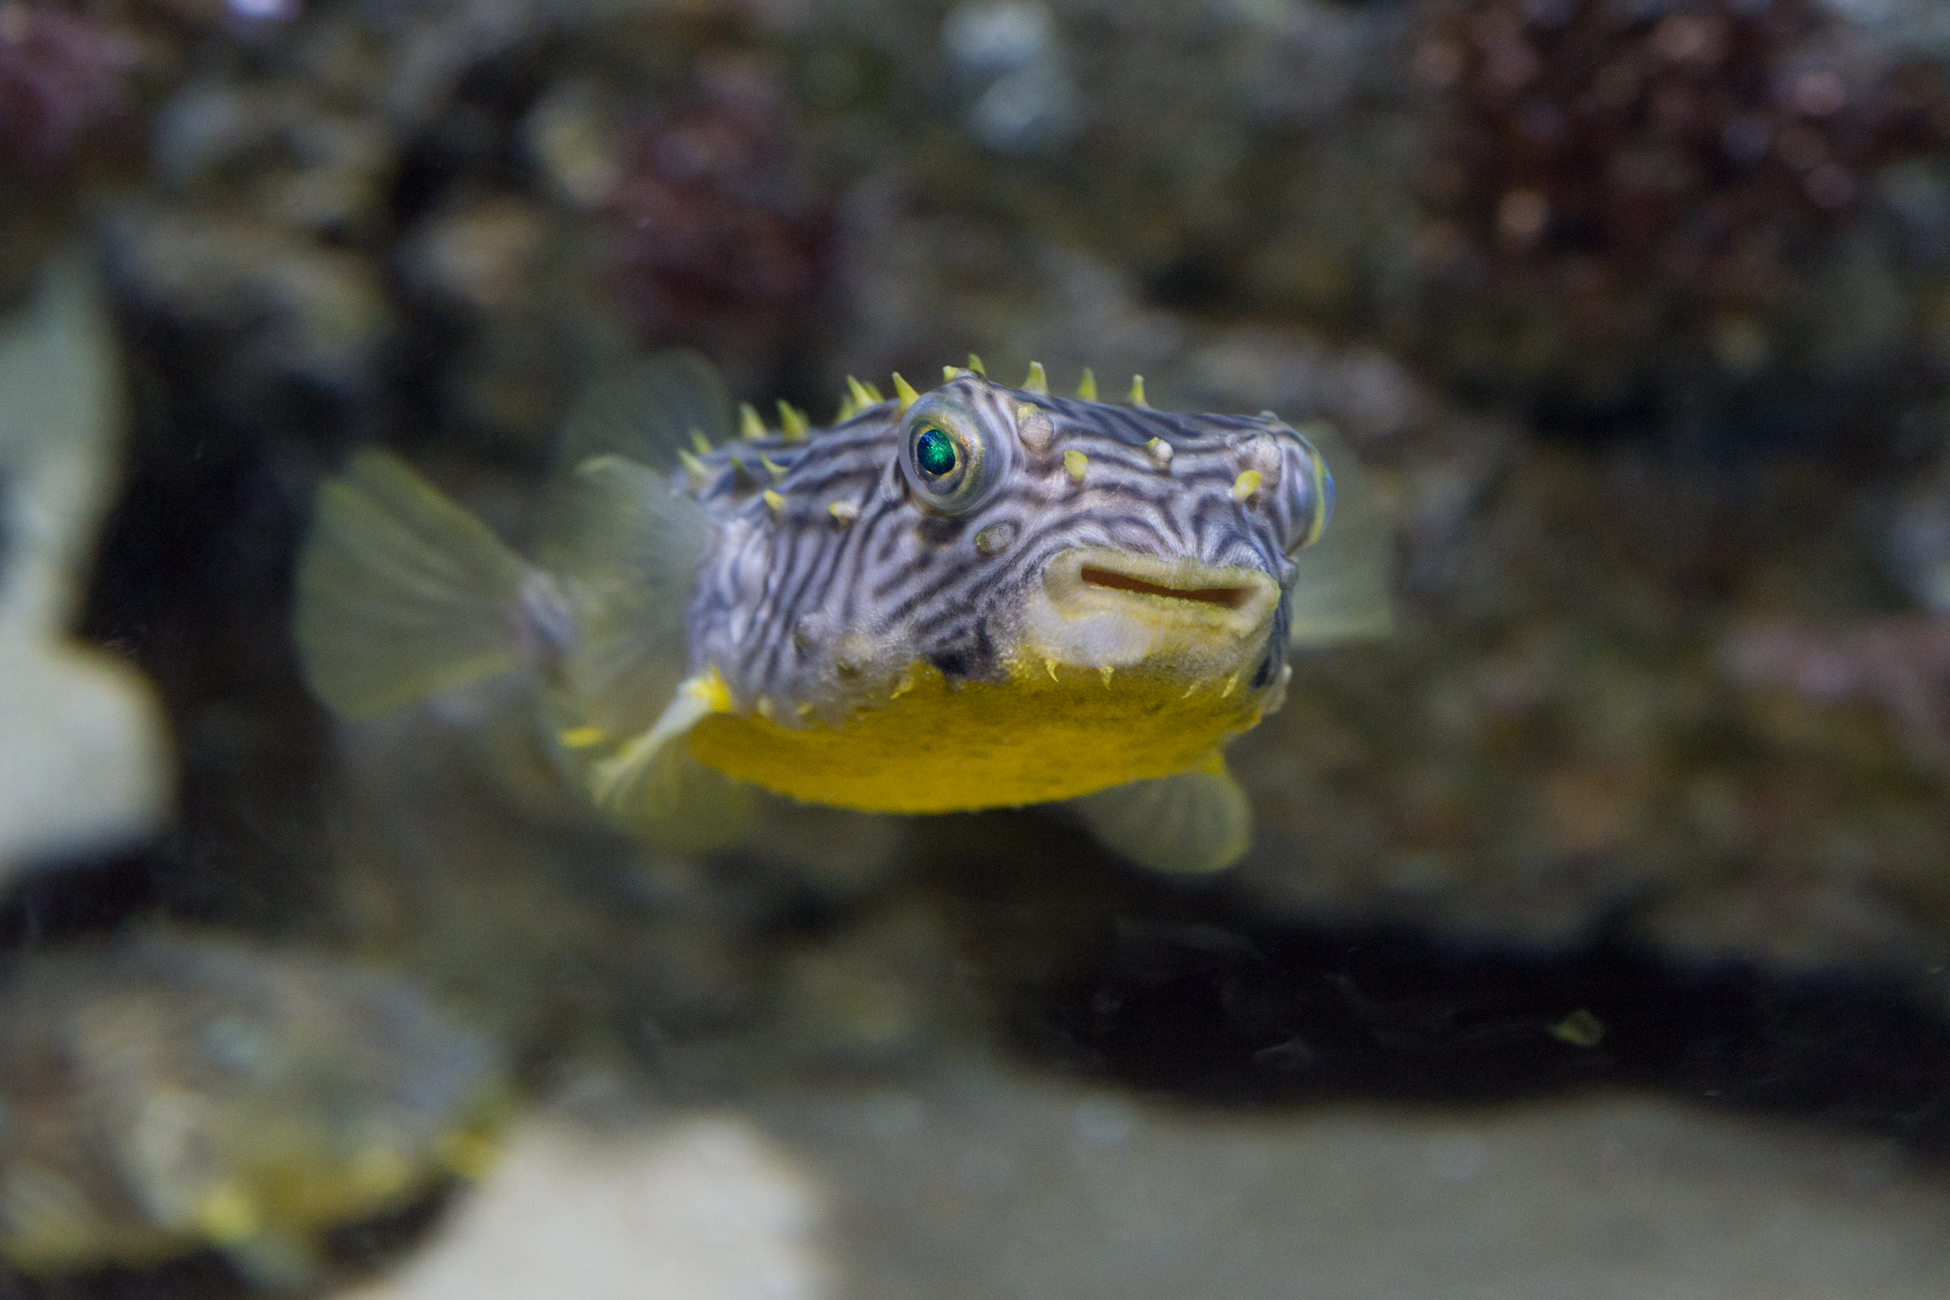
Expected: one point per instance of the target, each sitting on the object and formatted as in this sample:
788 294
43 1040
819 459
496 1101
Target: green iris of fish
934 452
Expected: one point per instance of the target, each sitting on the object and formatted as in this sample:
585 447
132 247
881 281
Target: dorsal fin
646 409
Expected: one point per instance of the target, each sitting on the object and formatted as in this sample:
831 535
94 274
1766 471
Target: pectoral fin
651 786
1190 824
1342 590
625 547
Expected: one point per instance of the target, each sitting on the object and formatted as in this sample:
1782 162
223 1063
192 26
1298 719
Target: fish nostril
1225 597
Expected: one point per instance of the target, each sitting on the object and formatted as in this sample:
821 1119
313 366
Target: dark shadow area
77 899
350 1254
1205 1010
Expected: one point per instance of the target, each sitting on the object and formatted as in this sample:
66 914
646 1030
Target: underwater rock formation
714 234
168 1092
1898 663
705 1208
1620 191
84 755
60 77
1553 743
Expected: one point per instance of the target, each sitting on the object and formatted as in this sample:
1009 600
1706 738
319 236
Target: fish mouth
1098 577
1100 607
1226 596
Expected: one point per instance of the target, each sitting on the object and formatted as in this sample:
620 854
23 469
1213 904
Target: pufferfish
972 598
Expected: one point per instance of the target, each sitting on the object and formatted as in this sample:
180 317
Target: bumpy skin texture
1109 587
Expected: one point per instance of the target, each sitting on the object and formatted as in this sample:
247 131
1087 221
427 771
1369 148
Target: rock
1576 145
61 76
165 1092
286 308
986 1184
85 762
698 1207
1096 1195
1021 99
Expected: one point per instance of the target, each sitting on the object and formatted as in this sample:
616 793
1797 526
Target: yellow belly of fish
940 748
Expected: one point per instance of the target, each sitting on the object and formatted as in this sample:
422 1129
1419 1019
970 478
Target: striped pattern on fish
785 588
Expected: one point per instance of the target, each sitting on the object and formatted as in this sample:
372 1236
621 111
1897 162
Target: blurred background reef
1639 310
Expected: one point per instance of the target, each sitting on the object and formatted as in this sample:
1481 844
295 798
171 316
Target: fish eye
935 455
945 457
1317 499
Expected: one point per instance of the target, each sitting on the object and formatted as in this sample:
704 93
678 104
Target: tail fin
1344 588
402 593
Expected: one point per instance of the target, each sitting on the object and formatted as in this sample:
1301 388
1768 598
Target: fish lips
1098 607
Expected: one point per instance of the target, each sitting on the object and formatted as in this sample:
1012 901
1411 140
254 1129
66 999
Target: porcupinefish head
986 595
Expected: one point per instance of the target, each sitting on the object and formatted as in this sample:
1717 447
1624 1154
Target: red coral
713 230
1685 155
60 76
